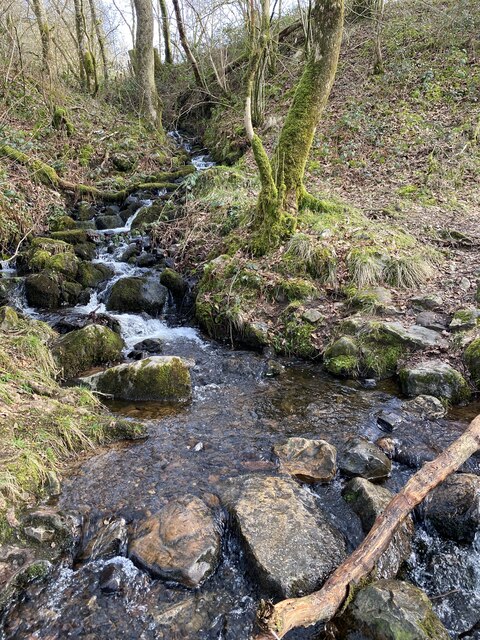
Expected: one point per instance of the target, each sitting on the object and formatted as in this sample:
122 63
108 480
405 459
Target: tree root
48 176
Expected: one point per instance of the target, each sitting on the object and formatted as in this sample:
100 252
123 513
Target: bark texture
322 605
44 29
144 64
186 47
166 32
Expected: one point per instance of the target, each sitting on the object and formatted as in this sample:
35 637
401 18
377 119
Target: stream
239 411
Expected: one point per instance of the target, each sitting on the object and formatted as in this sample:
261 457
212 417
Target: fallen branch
321 606
48 176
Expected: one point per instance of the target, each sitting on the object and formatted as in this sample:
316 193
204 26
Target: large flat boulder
180 543
158 378
416 336
434 378
289 539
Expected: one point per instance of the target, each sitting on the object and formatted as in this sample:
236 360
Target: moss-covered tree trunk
44 29
282 178
81 50
309 101
166 31
100 37
144 64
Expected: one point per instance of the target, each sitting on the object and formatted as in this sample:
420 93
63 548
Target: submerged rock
434 378
174 282
108 541
393 610
426 407
158 378
179 543
362 458
308 460
291 544
85 348
109 222
454 507
368 501
137 294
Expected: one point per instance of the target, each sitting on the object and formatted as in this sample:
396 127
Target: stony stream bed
218 451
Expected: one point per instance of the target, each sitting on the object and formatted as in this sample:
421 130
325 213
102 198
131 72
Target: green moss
71 236
85 155
296 339
173 281
472 360
62 223
344 366
82 349
294 289
91 275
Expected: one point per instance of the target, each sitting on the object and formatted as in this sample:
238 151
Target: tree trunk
44 29
166 32
310 98
186 47
145 64
100 37
322 605
81 50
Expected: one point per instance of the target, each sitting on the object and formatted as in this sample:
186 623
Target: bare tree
144 64
166 31
186 47
44 29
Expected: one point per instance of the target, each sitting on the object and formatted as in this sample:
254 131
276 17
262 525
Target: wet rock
72 236
146 260
308 460
91 275
368 501
362 458
108 541
74 322
174 282
132 251
388 420
425 407
109 222
394 610
150 345
137 294
158 378
454 507
273 368
255 335
85 348
44 290
431 320
434 378
85 251
290 541
430 301
3 294
342 358
180 543
464 319
415 336
472 360
111 578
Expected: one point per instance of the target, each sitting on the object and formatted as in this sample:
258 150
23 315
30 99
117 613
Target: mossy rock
174 282
4 297
148 215
472 360
436 379
66 263
137 294
394 610
91 275
35 257
85 348
296 339
86 211
71 293
8 318
62 223
44 290
85 250
71 236
158 378
465 319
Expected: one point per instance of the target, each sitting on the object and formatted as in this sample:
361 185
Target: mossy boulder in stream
137 294
158 378
84 348
434 378
393 610
91 275
472 360
44 290
62 223
174 282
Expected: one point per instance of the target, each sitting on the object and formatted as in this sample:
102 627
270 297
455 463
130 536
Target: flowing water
237 414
